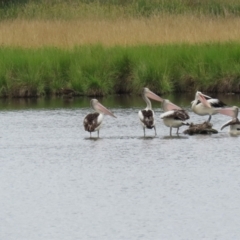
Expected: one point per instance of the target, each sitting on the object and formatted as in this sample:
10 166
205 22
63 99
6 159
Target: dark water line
112 101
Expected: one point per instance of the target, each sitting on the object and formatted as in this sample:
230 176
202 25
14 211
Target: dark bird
93 121
146 115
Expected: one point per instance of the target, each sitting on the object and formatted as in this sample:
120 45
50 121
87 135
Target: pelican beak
99 107
169 106
227 123
153 96
206 96
203 100
231 112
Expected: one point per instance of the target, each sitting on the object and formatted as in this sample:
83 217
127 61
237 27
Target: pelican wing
176 114
181 115
216 103
168 114
92 121
147 118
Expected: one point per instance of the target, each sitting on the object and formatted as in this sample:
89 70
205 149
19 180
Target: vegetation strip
99 47
98 70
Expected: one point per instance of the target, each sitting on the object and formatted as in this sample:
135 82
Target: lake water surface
58 184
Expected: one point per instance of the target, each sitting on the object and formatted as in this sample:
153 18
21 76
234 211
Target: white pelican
205 105
146 115
93 121
234 123
173 116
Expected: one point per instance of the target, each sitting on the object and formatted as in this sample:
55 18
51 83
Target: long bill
203 100
206 96
100 108
226 124
153 96
169 106
230 111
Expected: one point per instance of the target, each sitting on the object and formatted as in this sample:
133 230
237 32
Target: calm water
58 184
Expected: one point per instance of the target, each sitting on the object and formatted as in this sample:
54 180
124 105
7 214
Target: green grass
75 9
98 71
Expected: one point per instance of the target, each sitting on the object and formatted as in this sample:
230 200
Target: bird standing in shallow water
146 115
173 116
234 123
205 105
93 121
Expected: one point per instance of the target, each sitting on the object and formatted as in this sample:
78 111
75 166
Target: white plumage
173 116
205 105
234 123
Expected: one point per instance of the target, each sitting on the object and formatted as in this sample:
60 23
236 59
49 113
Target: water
58 184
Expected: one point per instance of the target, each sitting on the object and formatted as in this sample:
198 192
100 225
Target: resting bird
234 123
173 116
146 115
205 105
93 121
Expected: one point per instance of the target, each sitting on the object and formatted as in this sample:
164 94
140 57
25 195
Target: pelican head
202 98
98 107
149 94
200 93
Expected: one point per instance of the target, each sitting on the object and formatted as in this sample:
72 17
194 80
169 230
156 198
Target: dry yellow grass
154 30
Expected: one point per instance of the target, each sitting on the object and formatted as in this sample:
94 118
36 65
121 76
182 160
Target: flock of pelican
173 116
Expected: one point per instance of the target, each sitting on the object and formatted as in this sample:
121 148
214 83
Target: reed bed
97 47
113 9
98 70
126 32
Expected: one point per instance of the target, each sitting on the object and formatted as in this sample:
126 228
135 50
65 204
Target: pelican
234 123
146 115
93 121
173 116
205 105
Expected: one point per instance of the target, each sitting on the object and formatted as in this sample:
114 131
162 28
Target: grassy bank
98 47
97 70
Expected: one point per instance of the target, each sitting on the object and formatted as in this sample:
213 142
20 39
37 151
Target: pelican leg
90 134
155 131
209 119
144 131
177 130
98 133
170 131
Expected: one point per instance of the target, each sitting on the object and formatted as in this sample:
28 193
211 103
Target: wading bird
173 116
234 123
93 121
205 105
146 115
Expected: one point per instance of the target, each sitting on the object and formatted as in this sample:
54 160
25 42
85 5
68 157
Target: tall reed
98 70
75 9
153 30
